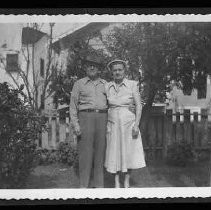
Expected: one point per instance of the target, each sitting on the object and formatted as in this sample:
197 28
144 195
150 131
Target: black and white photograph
118 105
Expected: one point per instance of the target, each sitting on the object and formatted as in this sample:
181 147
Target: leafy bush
66 153
180 154
203 155
19 131
46 157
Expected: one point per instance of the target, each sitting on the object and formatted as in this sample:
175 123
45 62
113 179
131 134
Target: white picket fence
58 130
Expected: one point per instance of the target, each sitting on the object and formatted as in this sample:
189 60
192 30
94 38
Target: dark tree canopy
165 53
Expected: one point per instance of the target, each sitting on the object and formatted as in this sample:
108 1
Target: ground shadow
154 175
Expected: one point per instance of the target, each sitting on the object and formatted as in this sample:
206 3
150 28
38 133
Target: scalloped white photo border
102 193
104 18
164 192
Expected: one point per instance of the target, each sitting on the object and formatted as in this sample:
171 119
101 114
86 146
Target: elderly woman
124 144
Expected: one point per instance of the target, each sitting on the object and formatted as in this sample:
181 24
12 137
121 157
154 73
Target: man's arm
74 108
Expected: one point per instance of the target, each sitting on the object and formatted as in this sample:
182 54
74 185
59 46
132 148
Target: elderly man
88 112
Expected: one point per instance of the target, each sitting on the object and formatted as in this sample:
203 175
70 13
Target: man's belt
95 110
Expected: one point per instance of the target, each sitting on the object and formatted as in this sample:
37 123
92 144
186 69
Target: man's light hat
116 61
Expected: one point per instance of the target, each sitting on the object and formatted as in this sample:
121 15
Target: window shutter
12 62
42 65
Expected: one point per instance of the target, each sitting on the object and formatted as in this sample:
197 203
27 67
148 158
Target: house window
201 92
42 65
12 62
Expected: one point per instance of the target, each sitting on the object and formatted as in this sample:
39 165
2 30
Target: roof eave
78 34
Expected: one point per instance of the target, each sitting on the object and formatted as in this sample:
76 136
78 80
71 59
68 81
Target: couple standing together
108 131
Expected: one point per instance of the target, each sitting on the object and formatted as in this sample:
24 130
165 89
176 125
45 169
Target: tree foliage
166 54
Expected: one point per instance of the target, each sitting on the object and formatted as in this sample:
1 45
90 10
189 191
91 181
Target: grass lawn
154 175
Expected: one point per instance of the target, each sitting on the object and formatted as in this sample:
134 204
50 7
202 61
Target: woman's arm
138 106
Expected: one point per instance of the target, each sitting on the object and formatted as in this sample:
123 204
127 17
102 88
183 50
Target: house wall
40 51
178 101
10 35
4 75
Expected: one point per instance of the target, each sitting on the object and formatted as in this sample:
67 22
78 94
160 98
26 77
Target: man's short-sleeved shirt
91 94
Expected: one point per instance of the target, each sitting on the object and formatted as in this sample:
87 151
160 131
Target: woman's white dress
122 152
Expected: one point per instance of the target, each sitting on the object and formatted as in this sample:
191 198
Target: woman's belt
94 110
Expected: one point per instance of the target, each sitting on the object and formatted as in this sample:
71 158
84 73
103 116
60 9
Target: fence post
152 137
182 116
165 135
67 122
174 117
62 126
187 126
179 132
204 127
53 137
167 131
191 116
195 129
160 134
57 128
209 143
50 132
44 137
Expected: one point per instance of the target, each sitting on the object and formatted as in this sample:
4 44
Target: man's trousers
91 148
